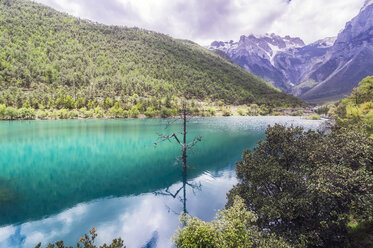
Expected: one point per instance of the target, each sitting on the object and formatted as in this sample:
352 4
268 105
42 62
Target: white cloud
315 19
206 20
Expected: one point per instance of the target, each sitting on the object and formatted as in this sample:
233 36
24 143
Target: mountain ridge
327 69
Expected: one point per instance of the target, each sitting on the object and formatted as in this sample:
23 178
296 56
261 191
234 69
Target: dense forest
50 60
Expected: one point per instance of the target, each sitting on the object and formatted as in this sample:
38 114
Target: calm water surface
58 179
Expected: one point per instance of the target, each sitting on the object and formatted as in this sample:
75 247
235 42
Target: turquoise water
58 179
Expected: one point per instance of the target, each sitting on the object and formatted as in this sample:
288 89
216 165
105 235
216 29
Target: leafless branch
168 193
194 142
170 122
163 138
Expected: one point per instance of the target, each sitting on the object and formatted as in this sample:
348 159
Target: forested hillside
357 109
47 55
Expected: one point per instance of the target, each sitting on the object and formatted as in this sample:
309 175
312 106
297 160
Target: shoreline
160 118
27 113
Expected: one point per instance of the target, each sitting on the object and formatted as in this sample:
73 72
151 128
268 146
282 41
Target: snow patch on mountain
326 69
325 43
265 46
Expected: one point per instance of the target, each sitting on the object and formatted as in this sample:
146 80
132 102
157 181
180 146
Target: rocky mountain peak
324 43
273 39
360 27
366 4
327 69
257 54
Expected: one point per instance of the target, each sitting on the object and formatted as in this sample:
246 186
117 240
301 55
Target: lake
58 179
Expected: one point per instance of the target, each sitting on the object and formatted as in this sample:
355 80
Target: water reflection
181 192
68 166
8 194
141 220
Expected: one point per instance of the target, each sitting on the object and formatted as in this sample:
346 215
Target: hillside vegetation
357 109
52 60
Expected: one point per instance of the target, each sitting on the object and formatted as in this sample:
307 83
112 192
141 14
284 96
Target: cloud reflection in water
142 220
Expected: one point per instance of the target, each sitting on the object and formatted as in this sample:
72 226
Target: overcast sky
204 21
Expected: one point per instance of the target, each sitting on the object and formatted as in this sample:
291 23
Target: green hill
46 55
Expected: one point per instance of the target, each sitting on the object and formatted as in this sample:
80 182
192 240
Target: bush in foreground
87 242
232 228
309 187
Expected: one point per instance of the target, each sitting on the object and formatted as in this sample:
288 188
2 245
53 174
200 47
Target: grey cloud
206 20
107 12
191 19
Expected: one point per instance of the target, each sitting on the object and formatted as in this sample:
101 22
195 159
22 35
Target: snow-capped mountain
327 69
257 54
348 61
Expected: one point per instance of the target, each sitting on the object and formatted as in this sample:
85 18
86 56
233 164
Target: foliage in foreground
232 228
87 242
314 190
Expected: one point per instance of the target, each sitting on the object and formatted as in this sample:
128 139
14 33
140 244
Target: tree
108 103
182 142
185 148
88 241
306 186
11 113
231 228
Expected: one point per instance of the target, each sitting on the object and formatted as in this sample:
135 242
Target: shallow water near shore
58 179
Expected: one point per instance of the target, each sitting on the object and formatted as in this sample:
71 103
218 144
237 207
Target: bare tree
183 143
184 115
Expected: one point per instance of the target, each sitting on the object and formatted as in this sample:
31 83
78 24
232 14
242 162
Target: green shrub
63 114
116 111
205 113
150 112
74 113
253 109
88 241
194 111
2 111
234 227
26 113
241 112
54 114
80 102
323 110
297 113
108 103
264 110
212 111
125 114
220 103
167 112
276 113
11 113
99 112
42 114
134 112
89 113
314 117
226 112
